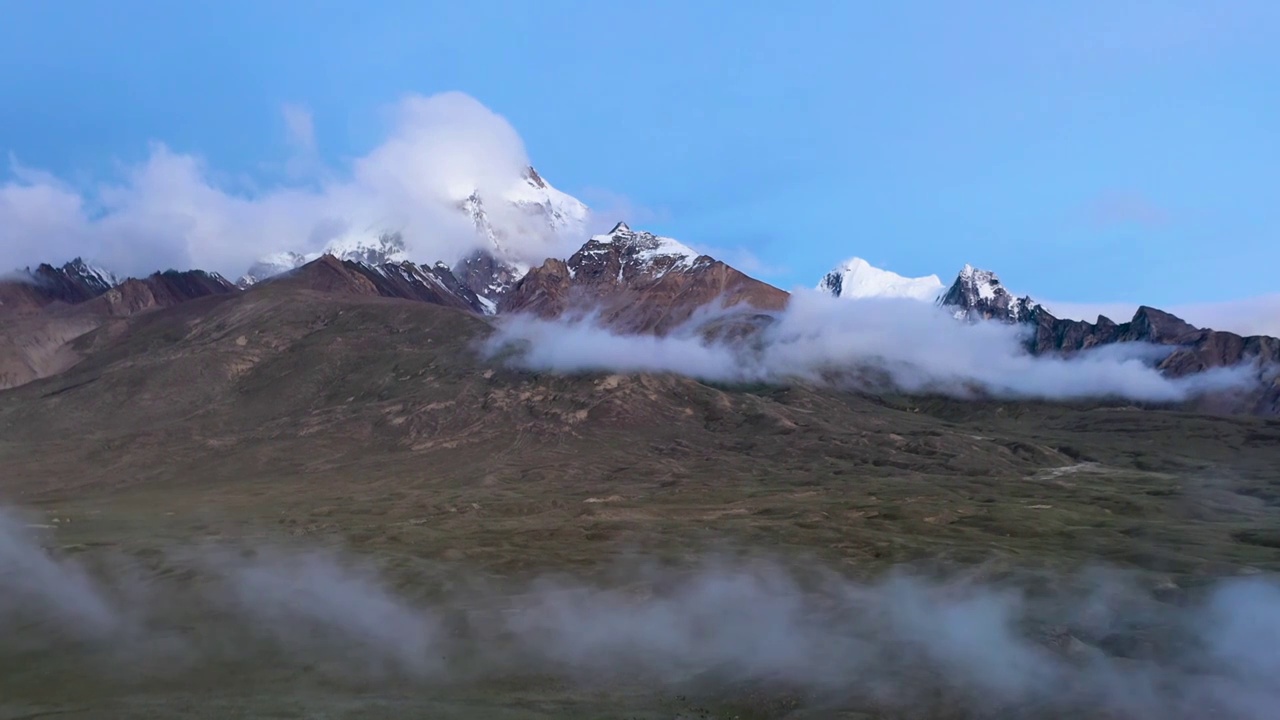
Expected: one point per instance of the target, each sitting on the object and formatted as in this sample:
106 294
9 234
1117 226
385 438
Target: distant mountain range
630 281
979 295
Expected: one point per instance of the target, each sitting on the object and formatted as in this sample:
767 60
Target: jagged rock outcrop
489 276
1198 349
73 283
978 294
1191 350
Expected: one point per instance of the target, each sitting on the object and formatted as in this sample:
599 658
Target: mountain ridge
979 295
74 282
42 320
632 281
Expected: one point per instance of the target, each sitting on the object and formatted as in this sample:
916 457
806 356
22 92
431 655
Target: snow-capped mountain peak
532 207
536 197
856 278
473 206
638 281
92 275
387 247
650 252
73 282
979 294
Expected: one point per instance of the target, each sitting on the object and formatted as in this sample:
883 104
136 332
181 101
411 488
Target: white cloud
170 212
906 344
1249 316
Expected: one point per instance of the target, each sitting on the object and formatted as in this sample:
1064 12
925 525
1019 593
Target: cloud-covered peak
525 209
171 211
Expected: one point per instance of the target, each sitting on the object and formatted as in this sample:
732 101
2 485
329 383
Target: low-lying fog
1097 641
912 345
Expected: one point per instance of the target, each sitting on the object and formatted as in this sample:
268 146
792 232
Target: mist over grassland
1015 643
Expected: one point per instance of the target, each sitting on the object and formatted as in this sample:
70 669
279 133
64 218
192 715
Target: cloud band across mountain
869 344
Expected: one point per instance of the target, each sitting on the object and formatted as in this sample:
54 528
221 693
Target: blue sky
1087 151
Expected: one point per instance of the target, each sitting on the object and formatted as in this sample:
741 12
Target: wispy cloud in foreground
904 643
170 211
905 344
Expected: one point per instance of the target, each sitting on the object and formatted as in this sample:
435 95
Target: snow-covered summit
978 293
975 294
517 230
92 275
530 209
492 233
387 247
856 278
93 278
536 197
649 252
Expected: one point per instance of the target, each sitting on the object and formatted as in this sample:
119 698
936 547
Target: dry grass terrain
285 418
